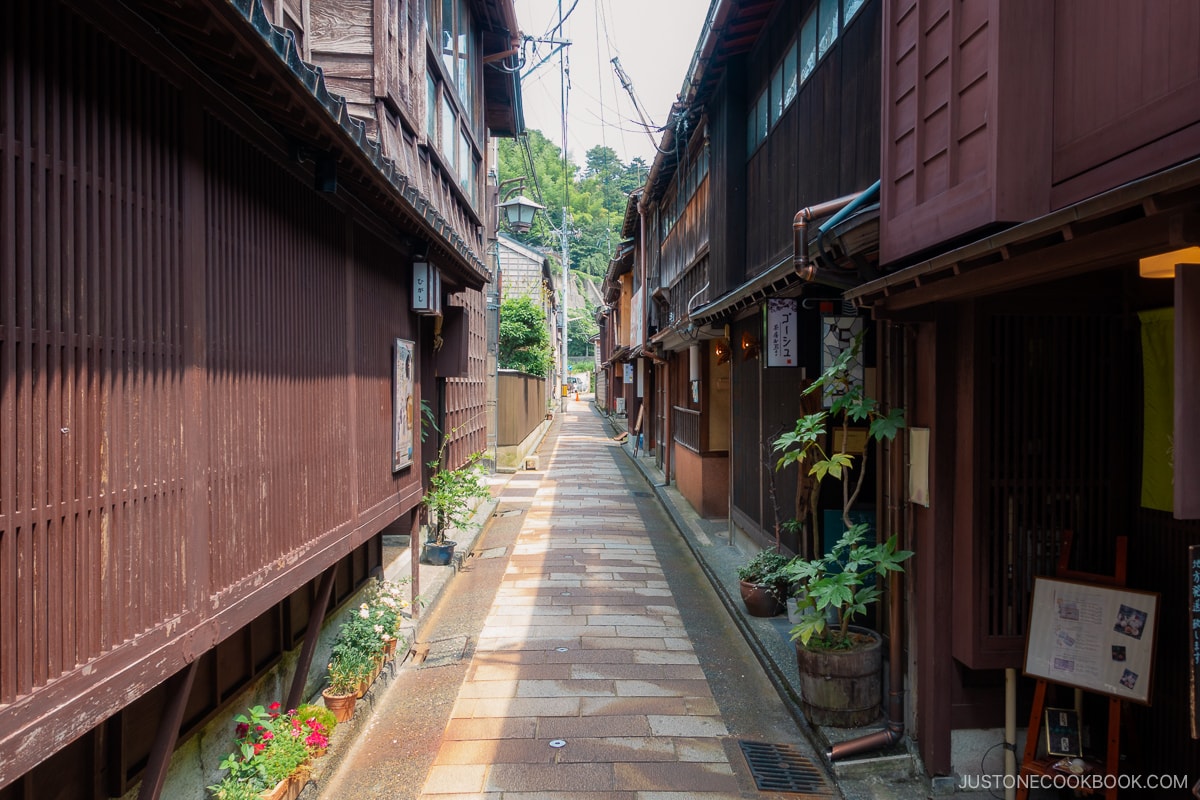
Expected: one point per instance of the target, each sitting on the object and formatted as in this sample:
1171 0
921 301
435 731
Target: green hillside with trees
595 196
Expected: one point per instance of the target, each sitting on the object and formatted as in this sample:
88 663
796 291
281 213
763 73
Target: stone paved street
604 667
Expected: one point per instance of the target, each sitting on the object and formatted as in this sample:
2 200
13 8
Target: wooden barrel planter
842 688
760 600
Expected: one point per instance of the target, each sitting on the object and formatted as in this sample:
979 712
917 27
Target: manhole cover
781 768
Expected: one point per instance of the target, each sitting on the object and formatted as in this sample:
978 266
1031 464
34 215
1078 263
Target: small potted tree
840 663
449 504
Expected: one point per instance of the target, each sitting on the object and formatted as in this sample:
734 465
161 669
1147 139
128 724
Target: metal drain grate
780 768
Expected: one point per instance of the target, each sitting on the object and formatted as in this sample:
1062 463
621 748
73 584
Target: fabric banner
1158 417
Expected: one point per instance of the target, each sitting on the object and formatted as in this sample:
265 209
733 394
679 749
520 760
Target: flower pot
760 600
389 649
342 705
842 688
289 788
439 555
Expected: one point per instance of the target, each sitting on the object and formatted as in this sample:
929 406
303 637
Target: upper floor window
451 23
687 180
452 124
818 32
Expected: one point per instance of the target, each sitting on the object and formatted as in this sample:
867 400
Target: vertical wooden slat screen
90 357
1051 381
466 397
280 441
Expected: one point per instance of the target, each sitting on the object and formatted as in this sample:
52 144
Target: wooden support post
315 618
414 547
179 688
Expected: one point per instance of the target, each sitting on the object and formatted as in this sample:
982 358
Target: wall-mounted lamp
1163 265
750 346
519 212
721 348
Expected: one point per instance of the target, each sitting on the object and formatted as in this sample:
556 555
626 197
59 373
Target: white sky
654 40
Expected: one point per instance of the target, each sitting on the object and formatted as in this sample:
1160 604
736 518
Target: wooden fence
521 403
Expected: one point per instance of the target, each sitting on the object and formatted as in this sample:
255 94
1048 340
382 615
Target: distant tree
595 195
580 330
524 339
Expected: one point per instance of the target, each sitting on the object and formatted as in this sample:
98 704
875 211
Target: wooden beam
311 635
179 688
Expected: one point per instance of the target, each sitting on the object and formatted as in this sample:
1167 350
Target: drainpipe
804 266
894 730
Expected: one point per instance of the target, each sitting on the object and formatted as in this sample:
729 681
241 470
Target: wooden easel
1030 763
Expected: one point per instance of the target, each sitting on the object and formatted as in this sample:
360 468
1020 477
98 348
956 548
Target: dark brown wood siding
826 143
996 112
1126 92
195 418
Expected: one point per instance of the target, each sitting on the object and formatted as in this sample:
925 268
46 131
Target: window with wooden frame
452 121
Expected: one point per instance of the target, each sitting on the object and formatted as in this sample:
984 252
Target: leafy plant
320 722
450 493
838 580
358 647
270 746
524 337
766 569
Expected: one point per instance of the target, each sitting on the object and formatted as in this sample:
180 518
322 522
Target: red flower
242 729
258 748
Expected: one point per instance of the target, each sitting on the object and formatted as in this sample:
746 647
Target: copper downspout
807 270
894 730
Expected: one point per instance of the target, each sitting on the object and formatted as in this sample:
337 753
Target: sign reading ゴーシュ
781 332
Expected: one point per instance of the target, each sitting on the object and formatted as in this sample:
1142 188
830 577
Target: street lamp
519 212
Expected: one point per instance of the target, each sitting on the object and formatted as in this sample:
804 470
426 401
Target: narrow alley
581 653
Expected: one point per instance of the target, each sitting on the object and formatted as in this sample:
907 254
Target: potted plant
839 663
271 758
763 583
448 503
319 722
356 651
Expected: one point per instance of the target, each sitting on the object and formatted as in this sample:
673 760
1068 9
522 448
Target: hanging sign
781 332
426 288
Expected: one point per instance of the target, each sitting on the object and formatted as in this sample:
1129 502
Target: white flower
364 612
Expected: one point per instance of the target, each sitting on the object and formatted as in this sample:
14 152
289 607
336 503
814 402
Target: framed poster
402 405
1097 638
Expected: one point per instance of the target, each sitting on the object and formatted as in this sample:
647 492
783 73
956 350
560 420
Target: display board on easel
1096 638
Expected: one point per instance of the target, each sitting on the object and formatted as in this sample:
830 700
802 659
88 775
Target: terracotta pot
760 600
389 649
342 705
842 688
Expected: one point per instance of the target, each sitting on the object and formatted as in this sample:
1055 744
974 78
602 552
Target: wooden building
1034 156
982 188
211 214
